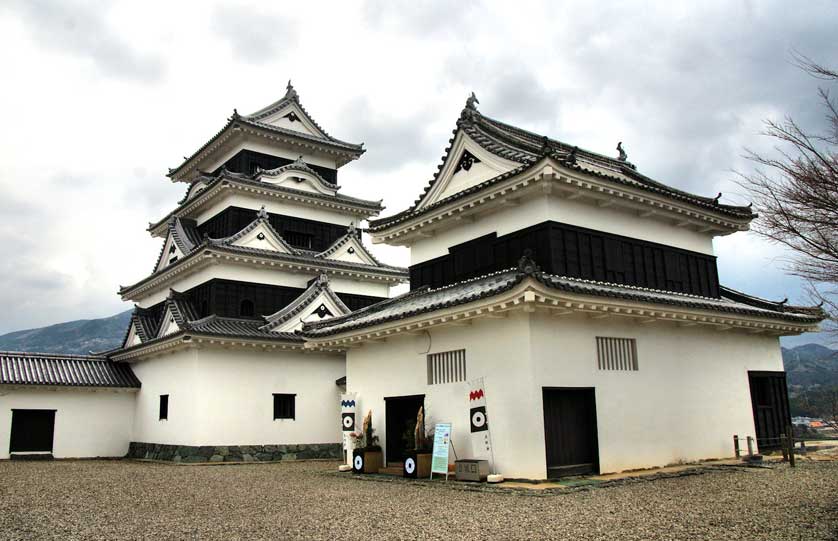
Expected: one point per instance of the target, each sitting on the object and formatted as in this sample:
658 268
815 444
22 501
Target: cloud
80 29
255 36
428 18
392 142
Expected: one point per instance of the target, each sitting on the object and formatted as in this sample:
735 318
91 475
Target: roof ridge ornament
472 101
546 146
716 199
262 214
300 162
290 93
571 158
351 230
623 156
526 265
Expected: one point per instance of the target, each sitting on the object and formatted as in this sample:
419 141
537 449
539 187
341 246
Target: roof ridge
68 356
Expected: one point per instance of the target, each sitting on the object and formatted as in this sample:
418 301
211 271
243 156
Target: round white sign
347 422
478 419
410 465
359 462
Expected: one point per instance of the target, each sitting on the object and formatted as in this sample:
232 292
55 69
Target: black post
736 445
784 446
791 445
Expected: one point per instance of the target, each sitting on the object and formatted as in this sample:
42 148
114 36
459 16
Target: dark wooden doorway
400 425
570 431
32 431
770 402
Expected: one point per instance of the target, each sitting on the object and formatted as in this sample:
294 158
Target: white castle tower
262 241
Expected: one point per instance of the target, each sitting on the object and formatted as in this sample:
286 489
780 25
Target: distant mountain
811 364
79 337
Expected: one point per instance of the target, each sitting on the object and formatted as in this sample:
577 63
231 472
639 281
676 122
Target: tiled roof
24 368
230 177
318 286
297 165
238 328
255 121
526 148
424 300
184 233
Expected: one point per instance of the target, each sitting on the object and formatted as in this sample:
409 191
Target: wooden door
770 403
570 432
401 422
32 431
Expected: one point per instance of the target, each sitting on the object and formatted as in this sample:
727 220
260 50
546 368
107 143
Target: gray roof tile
25 368
424 300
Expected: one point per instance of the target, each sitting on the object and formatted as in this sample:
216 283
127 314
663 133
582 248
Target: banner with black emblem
347 412
481 440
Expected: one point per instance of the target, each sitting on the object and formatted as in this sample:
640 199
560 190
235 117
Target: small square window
284 407
164 407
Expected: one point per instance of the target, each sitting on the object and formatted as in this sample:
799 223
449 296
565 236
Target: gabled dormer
317 303
350 249
181 240
259 235
283 129
297 176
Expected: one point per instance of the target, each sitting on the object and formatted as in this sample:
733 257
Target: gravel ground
132 500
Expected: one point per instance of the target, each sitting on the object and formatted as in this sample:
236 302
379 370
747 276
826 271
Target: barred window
616 353
447 367
284 407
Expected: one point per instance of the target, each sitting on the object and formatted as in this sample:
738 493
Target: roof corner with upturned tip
265 119
526 148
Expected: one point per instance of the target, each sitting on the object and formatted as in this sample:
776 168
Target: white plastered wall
688 399
274 206
88 422
540 209
225 397
262 275
257 144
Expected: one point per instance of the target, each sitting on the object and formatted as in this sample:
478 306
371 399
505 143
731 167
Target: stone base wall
233 453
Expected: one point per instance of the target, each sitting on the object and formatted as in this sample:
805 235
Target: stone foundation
233 453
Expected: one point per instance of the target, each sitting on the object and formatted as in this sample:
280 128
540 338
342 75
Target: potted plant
367 457
417 463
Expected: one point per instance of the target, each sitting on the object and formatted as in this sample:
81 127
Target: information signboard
442 440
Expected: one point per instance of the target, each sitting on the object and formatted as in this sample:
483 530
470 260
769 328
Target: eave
530 296
185 339
550 178
205 256
238 128
232 185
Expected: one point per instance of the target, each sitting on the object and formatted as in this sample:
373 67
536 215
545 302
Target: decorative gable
317 303
263 237
133 337
467 164
168 325
170 253
292 117
298 176
350 250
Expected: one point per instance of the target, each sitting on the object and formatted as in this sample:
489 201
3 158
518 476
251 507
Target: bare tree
795 192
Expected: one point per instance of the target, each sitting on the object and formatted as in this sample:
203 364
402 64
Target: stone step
391 470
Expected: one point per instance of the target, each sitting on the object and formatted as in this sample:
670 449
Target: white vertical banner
347 421
481 439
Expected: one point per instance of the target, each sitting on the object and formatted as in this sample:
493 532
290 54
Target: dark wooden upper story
247 161
229 298
575 252
298 232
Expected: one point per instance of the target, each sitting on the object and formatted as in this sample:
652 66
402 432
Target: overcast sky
100 98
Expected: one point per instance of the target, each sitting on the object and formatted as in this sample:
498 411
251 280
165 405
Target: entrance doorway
770 402
32 431
400 425
570 432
